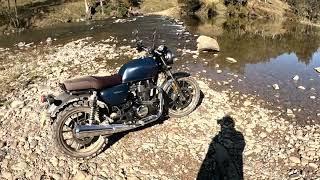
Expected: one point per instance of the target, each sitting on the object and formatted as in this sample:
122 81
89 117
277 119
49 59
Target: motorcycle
92 108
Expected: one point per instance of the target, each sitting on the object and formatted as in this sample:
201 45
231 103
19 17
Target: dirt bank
173 149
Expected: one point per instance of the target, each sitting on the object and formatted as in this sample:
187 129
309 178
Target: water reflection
267 53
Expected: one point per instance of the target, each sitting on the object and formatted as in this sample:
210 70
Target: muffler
83 131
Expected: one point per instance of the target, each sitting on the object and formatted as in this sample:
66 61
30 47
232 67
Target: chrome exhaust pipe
83 131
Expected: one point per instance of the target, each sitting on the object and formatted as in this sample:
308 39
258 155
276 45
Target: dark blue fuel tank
138 69
115 95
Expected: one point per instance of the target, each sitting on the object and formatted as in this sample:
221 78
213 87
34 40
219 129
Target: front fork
176 87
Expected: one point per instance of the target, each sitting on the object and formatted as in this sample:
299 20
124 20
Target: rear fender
65 99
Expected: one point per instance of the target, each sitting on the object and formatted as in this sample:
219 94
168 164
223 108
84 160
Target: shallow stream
265 55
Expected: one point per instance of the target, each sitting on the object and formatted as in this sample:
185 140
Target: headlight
169 57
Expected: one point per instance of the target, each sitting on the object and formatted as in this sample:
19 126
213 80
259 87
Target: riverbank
34 14
275 145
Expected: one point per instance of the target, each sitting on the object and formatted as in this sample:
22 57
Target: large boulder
206 43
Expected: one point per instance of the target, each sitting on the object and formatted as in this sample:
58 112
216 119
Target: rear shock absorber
93 110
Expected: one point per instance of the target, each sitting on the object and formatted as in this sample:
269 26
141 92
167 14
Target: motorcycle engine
144 103
142 111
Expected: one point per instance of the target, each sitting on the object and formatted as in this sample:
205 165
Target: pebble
219 71
6 175
296 78
317 69
49 40
247 103
20 166
313 165
276 86
54 161
2 144
79 176
290 113
231 60
17 104
263 135
312 97
295 160
302 88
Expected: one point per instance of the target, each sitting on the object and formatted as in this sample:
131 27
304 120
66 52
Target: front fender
169 80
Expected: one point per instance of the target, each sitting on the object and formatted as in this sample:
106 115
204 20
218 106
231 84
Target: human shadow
224 157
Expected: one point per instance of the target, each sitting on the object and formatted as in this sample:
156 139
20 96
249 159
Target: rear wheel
182 105
77 113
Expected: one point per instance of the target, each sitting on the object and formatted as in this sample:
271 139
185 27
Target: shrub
190 6
309 9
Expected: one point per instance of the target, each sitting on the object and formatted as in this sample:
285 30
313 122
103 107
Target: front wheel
182 104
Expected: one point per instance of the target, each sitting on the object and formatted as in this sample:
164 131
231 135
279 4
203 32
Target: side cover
138 69
115 95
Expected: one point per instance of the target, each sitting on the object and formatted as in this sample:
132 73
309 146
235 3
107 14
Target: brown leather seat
92 82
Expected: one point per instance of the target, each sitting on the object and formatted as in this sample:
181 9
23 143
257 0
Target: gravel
275 146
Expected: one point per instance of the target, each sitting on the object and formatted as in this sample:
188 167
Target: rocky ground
275 146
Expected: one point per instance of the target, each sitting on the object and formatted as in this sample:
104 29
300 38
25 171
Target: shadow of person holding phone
224 157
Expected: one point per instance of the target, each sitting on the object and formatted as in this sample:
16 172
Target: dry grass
273 8
151 6
62 13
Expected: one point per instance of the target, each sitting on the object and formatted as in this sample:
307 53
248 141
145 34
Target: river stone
276 86
19 166
296 78
317 69
247 103
295 160
206 43
2 155
54 161
313 165
2 144
17 104
263 135
312 97
6 175
231 60
79 176
290 113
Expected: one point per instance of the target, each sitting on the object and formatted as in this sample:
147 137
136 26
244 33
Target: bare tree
9 4
102 9
16 13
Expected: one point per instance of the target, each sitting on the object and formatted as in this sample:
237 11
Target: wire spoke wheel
184 103
64 133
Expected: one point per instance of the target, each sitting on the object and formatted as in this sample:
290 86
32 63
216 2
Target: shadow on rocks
116 137
224 157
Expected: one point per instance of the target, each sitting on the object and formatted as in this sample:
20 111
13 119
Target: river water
266 54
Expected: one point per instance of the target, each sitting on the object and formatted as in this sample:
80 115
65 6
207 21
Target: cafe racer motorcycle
92 108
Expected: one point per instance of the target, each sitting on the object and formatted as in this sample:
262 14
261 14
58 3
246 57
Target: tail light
43 99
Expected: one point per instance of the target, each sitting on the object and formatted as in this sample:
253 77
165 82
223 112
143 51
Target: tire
92 150
194 102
